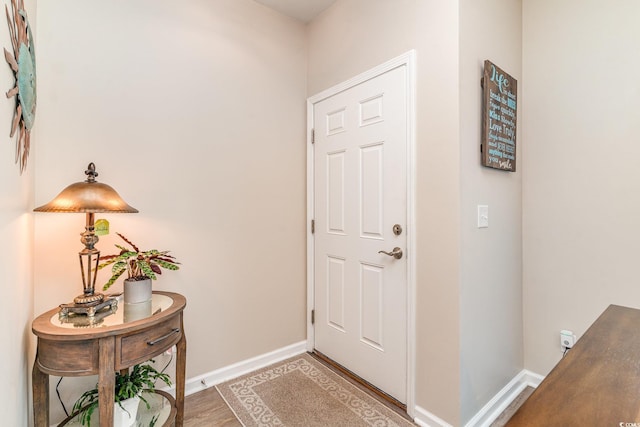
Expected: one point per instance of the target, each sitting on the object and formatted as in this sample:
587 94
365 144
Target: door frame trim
407 60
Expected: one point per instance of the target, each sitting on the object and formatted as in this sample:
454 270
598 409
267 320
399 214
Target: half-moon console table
103 345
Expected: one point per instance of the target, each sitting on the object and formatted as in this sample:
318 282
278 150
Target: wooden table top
597 383
43 327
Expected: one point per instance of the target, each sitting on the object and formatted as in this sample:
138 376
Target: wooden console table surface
597 383
114 345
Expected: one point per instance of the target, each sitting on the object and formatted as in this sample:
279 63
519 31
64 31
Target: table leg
40 386
181 363
106 381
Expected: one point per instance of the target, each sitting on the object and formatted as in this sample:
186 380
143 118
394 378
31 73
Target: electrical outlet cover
567 338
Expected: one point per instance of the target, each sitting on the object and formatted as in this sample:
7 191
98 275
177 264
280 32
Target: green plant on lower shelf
140 378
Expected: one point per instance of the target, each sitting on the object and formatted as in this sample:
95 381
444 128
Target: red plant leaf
172 261
135 248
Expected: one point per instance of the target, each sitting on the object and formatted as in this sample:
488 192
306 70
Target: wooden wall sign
499 108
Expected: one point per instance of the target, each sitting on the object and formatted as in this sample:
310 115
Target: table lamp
88 197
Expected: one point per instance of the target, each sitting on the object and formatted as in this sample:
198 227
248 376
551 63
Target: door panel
335 192
372 190
372 305
360 189
335 290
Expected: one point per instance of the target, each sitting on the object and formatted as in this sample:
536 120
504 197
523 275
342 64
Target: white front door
360 209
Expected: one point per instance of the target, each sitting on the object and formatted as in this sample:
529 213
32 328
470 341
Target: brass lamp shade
88 197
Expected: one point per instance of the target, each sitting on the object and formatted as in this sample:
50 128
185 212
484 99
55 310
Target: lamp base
92 299
90 308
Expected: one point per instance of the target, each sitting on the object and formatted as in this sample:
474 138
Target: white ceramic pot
133 312
125 415
137 291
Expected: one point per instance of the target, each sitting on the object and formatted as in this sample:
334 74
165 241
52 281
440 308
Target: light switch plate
483 216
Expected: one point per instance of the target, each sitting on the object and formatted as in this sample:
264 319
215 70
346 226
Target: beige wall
438 208
455 335
195 113
227 80
16 235
352 37
581 185
491 258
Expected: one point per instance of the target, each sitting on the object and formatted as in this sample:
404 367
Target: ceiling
302 10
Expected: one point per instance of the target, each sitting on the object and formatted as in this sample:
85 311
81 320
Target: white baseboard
425 418
504 397
492 409
218 376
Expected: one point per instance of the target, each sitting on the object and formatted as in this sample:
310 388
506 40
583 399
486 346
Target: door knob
396 253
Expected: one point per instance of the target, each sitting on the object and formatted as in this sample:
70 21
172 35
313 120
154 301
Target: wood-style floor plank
207 408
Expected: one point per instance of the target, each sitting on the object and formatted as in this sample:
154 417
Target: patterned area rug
302 392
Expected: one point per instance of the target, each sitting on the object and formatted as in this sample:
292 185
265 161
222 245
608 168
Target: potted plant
141 267
128 394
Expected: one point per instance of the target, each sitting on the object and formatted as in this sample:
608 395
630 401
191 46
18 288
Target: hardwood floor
207 408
